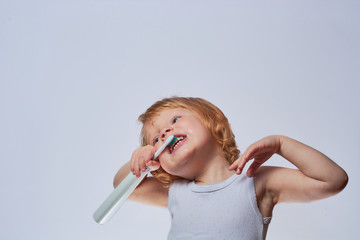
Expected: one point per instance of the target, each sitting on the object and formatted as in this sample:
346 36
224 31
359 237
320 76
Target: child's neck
215 171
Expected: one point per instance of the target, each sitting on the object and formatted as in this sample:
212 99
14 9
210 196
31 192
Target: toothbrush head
172 141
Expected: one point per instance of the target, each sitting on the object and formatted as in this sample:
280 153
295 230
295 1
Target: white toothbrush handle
167 141
114 201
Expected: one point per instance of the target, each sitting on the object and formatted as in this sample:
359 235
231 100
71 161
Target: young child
199 178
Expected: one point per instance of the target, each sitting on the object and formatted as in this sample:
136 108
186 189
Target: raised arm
317 176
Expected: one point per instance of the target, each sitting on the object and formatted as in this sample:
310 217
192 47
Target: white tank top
226 210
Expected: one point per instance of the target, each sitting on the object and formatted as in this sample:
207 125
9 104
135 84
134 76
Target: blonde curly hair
211 116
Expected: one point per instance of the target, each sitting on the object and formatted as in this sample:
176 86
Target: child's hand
260 151
141 158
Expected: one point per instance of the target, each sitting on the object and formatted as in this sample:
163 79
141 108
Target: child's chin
173 170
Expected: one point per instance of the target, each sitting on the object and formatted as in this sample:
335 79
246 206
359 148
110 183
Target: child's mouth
177 143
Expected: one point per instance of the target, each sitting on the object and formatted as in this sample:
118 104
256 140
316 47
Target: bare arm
317 176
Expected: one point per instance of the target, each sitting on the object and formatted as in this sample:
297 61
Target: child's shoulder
262 175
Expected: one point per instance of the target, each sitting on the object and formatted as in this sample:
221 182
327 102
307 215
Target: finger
252 169
139 162
235 164
242 163
145 156
148 157
133 161
239 165
141 167
153 165
251 152
136 166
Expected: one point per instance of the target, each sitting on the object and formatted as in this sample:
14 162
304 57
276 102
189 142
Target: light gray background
75 75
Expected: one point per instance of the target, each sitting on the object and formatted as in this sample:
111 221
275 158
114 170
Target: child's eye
156 140
175 119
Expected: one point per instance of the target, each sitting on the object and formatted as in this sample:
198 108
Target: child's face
194 146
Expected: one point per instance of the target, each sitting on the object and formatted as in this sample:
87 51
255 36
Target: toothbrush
115 200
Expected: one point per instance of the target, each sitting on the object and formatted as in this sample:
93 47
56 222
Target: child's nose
166 132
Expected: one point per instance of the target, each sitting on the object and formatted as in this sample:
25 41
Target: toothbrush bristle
172 141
